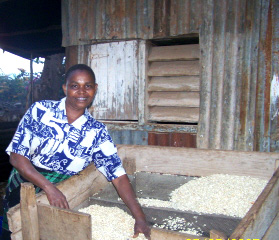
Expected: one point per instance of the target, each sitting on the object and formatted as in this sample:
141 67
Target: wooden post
28 211
214 234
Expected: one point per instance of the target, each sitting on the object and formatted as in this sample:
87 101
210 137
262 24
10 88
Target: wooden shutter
116 68
174 83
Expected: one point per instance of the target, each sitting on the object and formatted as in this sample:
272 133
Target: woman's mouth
81 99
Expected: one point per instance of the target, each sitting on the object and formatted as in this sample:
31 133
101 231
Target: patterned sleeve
21 142
106 159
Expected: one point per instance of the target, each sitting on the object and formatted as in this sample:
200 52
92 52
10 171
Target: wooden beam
174 114
200 162
176 52
273 230
28 212
262 214
174 68
174 99
174 84
47 29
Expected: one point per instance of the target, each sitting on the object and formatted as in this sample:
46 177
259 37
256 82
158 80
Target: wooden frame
261 222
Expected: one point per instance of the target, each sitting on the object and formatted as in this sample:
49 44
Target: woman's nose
82 89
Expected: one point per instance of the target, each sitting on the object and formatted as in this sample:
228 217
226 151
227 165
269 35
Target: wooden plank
57 223
174 68
174 114
16 235
28 212
273 230
172 84
76 189
142 75
162 234
116 73
200 162
262 213
176 52
174 99
214 234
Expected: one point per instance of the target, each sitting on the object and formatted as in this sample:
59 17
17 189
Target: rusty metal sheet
129 137
90 21
172 139
274 91
153 138
238 51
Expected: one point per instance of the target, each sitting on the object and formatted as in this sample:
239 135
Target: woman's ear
64 89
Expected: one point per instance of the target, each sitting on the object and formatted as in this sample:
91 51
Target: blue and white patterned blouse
45 137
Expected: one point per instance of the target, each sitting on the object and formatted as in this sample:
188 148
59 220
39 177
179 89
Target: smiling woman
10 64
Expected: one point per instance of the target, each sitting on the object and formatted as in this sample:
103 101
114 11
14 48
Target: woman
58 139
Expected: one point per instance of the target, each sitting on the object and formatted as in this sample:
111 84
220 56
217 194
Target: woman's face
80 89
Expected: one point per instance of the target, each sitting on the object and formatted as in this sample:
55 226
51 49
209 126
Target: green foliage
15 88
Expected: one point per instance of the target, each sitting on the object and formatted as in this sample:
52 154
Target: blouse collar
78 122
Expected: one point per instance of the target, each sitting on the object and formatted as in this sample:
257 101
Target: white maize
180 225
111 223
216 194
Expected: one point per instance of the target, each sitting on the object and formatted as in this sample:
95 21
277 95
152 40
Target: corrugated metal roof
88 21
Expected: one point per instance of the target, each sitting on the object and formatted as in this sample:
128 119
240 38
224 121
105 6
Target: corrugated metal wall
239 43
153 138
85 21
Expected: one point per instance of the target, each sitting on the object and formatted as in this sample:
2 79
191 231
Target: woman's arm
126 192
26 170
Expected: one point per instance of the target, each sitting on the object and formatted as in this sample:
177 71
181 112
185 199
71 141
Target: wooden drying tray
51 223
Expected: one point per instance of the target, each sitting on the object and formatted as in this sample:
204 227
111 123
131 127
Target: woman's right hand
56 197
25 168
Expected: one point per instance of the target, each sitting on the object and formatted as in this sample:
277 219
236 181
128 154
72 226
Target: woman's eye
73 86
88 86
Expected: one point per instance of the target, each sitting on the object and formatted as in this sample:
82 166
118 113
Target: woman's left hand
142 227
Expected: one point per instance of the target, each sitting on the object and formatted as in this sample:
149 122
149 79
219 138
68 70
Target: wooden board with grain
261 221
76 189
174 99
57 224
200 162
262 215
174 68
175 52
28 212
174 84
162 234
174 114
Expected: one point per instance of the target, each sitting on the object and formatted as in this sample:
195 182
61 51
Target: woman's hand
56 197
127 194
142 227
25 168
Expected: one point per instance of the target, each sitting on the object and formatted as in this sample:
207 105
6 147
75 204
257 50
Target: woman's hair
80 67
